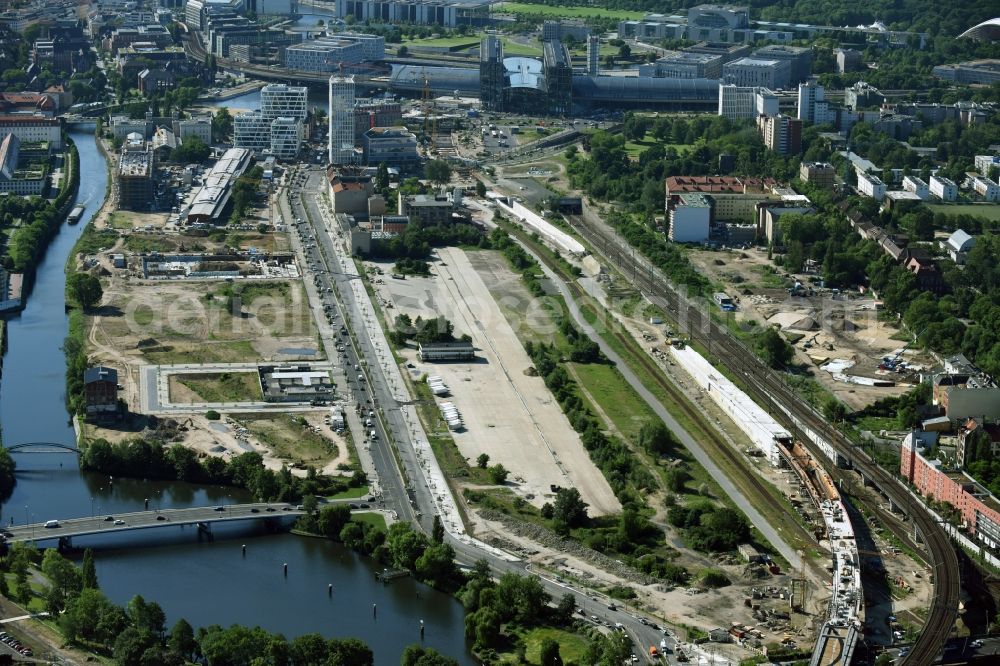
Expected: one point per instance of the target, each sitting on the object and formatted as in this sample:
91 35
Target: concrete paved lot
508 415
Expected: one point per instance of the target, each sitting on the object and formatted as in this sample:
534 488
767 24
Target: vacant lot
299 439
199 322
215 387
509 415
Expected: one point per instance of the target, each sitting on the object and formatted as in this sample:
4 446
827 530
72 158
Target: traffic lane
358 388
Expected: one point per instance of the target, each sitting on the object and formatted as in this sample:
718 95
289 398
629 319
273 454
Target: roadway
768 387
137 520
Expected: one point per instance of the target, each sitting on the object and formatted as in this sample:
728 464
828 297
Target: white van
52 523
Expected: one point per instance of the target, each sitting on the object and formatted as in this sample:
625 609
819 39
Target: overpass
203 517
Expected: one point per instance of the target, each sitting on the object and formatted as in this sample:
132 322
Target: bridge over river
203 517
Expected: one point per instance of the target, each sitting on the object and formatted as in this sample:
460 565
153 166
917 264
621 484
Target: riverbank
231 93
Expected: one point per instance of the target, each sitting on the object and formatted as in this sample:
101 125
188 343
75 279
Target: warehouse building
212 200
437 352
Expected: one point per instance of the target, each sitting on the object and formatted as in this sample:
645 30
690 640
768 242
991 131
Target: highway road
411 498
108 524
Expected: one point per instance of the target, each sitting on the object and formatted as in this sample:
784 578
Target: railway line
766 386
708 436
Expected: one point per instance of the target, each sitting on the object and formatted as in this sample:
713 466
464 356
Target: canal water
206 582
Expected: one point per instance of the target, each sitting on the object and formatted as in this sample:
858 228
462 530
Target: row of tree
143 458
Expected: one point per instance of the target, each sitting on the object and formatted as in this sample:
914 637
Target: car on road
108 519
269 509
161 517
219 508
976 643
119 522
254 510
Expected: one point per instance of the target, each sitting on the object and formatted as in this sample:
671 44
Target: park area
986 211
567 11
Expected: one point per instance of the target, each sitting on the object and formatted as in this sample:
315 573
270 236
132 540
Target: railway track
705 433
767 386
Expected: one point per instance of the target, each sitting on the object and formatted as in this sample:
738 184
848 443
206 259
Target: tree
437 171
498 474
418 655
773 349
834 410
483 461
569 508
436 566
349 651
437 531
480 188
192 150
548 653
84 289
402 51
88 570
181 640
564 610
382 178
332 519
655 437
222 125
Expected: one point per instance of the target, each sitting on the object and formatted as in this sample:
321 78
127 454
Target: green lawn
511 48
445 42
987 211
352 493
636 148
567 12
370 517
572 647
223 387
626 410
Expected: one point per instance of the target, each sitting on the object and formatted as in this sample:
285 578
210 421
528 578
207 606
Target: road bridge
203 517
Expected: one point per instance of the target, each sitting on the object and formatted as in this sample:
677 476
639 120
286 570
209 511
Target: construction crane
892 363
430 115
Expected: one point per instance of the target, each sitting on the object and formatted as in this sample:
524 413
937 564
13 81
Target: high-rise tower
341 119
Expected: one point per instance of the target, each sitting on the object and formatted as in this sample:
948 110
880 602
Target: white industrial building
341 118
870 185
812 104
943 188
766 434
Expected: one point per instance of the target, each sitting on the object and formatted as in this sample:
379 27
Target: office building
870 185
326 54
820 174
781 134
689 216
558 69
863 96
684 65
733 199
281 101
491 73
737 102
33 128
719 16
285 137
753 72
448 13
560 30
943 188
396 146
728 52
251 130
848 60
651 30
812 105
427 209
369 113
341 134
593 55
799 59
135 175
982 72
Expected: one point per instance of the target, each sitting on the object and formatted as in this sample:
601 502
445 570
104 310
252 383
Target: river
206 582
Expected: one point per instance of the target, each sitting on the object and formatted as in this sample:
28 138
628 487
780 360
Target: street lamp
91 507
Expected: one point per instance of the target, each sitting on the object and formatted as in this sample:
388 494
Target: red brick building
100 390
980 511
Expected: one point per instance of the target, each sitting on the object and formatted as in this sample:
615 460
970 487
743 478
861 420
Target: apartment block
943 188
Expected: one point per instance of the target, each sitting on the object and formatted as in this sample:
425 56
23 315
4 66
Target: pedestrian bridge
42 447
203 517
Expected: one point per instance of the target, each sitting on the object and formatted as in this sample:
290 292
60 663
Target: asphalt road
106 524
